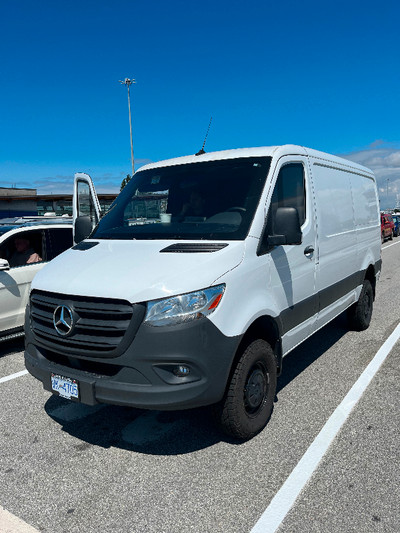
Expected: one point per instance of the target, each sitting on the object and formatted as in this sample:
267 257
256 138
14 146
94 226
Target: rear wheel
383 237
360 313
391 236
248 402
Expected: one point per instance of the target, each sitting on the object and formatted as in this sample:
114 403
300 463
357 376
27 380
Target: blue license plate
66 387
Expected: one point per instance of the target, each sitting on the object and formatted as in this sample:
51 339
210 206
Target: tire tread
228 412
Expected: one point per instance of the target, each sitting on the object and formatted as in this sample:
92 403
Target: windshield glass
212 200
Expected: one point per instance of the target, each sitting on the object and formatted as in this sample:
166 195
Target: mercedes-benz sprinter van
204 274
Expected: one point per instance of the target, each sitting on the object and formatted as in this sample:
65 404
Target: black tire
383 238
360 313
391 236
248 402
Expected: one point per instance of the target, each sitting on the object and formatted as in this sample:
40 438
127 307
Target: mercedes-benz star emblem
63 320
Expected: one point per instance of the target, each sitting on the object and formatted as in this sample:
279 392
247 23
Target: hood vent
193 248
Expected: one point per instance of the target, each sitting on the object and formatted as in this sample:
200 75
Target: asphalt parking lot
69 468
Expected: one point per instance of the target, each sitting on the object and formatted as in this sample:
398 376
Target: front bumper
144 375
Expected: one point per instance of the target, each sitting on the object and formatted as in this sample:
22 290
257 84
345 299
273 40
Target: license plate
66 387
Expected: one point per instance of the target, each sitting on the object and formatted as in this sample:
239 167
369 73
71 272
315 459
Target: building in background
26 202
17 202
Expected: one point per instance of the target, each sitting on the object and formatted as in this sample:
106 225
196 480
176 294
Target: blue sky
319 74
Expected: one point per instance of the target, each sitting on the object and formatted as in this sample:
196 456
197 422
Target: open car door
85 208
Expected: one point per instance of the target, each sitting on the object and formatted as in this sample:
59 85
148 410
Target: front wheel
391 236
360 313
248 402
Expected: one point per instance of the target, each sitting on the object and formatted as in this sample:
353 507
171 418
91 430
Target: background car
47 238
396 220
387 226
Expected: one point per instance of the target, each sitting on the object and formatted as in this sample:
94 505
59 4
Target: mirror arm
276 240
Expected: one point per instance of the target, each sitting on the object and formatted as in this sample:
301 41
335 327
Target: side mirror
82 228
287 228
4 265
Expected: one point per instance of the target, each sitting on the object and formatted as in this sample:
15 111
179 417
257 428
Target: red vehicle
387 226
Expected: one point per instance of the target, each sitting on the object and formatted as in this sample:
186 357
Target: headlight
183 308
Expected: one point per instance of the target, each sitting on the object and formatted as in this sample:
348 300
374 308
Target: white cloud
384 159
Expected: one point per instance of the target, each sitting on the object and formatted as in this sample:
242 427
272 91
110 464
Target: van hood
138 271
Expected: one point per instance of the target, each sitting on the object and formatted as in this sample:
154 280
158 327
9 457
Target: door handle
309 250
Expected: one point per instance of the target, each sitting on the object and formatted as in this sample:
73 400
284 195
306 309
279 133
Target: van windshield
212 200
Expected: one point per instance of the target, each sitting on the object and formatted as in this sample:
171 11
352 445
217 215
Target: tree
125 181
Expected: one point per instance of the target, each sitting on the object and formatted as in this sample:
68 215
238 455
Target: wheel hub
255 389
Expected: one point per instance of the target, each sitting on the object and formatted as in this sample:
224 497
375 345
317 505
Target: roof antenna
202 151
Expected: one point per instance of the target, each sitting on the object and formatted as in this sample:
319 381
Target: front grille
99 324
95 368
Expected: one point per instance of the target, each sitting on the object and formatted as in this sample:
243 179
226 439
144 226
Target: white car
46 239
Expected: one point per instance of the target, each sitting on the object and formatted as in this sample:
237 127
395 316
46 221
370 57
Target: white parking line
13 376
393 244
12 524
284 499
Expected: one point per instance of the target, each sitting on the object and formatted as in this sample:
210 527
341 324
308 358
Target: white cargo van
204 274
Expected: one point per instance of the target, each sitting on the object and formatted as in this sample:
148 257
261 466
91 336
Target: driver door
293 267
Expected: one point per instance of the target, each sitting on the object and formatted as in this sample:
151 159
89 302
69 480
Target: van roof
262 151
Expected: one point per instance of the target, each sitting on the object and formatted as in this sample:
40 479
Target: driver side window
289 191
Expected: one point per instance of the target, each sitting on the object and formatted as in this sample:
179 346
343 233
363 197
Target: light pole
128 83
387 191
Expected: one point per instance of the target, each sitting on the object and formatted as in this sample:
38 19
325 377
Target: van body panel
247 292
337 251
144 272
348 227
